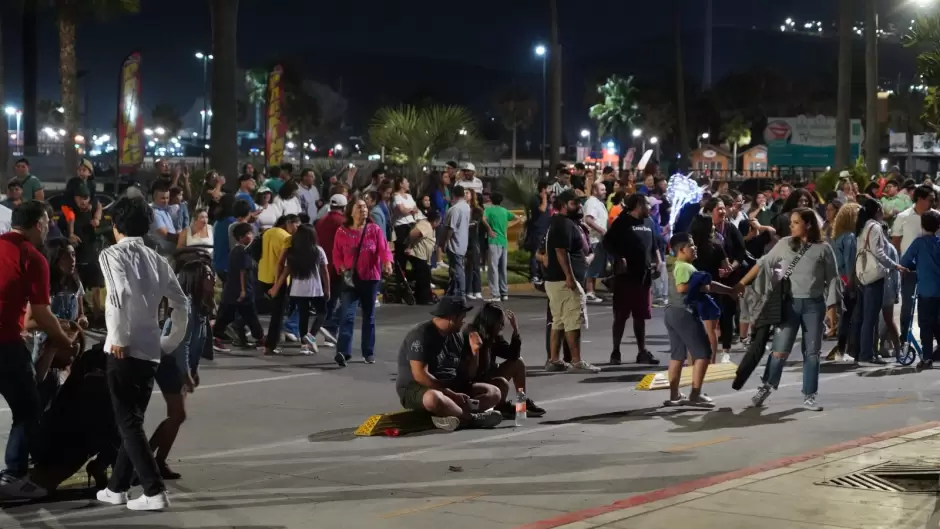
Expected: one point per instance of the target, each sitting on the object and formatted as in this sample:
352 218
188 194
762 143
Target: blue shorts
168 376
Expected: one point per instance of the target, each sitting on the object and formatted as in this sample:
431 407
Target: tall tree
555 86
30 77
737 133
680 83
872 136
619 113
68 14
223 151
517 111
844 103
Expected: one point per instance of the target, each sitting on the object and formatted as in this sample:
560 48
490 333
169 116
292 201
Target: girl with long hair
305 262
872 265
844 247
177 373
489 324
812 268
712 259
360 248
473 259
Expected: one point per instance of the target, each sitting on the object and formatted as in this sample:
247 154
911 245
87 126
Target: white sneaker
725 358
111 498
329 339
290 337
505 298
591 297
149 503
15 487
378 303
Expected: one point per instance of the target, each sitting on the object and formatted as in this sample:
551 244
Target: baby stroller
399 289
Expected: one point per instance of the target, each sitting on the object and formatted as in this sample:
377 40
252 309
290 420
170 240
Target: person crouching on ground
685 325
436 373
489 324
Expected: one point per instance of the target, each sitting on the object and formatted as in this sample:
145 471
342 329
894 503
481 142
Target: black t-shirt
425 343
239 261
632 239
710 258
85 251
72 186
564 233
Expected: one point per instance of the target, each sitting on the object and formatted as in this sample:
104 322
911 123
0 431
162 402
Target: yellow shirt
274 242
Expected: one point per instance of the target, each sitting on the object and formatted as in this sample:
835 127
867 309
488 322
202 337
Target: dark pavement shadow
888 371
619 417
837 367
628 378
726 418
608 368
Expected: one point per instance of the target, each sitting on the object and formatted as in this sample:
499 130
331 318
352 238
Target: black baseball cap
243 177
450 306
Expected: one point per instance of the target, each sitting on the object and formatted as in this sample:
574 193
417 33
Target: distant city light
637 133
291 145
10 111
654 140
148 132
160 131
540 50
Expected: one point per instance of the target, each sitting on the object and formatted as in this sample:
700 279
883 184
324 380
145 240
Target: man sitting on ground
434 375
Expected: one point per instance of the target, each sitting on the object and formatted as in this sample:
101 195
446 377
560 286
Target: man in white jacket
137 279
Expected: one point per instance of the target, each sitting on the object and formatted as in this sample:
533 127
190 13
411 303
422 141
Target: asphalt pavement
269 442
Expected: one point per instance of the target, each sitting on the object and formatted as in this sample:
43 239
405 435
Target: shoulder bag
772 313
350 276
870 269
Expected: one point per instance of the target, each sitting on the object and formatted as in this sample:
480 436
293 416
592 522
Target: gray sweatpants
496 276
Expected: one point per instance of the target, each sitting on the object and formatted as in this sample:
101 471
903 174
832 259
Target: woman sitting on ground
489 323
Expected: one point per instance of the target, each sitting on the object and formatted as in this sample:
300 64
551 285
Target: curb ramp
660 380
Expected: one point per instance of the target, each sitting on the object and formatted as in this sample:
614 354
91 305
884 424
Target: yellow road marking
405 512
693 446
889 402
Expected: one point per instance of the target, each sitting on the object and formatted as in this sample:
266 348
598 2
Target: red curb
691 486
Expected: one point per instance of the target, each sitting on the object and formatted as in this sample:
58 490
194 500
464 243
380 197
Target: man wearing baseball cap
86 178
468 180
435 373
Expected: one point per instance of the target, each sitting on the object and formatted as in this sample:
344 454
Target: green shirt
498 218
274 184
31 186
893 206
681 273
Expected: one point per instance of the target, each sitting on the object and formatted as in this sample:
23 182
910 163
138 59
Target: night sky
385 51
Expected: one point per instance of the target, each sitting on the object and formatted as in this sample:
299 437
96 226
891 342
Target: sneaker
725 357
646 357
448 424
486 419
504 298
809 403
15 487
305 350
532 409
369 359
339 359
555 367
762 393
615 359
149 503
328 337
378 304
272 352
877 361
700 401
659 304
591 297
745 342
583 367
924 364
309 338
672 403
219 347
111 498
291 337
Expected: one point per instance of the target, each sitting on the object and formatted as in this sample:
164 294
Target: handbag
350 276
772 313
870 271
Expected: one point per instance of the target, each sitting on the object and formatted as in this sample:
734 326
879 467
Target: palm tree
680 82
223 151
68 14
872 136
844 104
555 87
737 132
256 81
168 117
413 136
517 111
619 113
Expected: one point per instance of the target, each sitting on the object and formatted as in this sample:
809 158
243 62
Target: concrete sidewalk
787 493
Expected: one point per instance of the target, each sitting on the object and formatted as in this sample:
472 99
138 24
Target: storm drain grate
915 477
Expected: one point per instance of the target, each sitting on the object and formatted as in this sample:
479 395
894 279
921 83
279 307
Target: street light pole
205 58
541 52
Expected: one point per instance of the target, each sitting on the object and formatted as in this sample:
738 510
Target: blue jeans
908 285
18 387
867 316
457 278
363 295
799 314
292 323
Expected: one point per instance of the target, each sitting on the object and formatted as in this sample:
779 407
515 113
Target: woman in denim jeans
813 286
360 247
844 245
868 308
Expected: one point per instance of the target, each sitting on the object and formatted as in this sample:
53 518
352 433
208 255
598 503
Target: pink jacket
373 254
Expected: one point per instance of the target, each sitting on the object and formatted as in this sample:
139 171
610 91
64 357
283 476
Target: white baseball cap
845 174
467 166
338 201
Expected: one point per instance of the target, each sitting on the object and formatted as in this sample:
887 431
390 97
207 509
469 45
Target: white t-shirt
310 287
6 219
474 184
291 206
907 227
593 207
268 216
409 203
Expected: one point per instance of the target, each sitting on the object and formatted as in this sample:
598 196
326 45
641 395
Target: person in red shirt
326 231
24 280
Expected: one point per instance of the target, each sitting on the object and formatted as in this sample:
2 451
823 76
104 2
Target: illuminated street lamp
11 111
205 58
654 140
637 133
542 52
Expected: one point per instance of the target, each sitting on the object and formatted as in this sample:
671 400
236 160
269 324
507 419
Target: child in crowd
238 292
179 209
684 324
305 262
923 256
